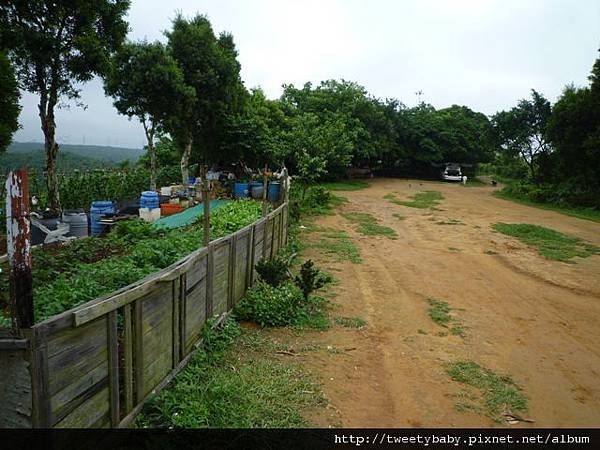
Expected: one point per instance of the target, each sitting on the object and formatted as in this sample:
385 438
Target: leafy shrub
274 271
272 306
310 279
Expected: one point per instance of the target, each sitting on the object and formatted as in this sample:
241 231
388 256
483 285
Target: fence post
264 198
18 230
206 202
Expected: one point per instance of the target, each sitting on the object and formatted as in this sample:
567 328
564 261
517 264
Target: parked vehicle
452 172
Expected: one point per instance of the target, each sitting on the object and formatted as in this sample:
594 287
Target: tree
574 130
522 130
9 102
210 66
56 45
147 83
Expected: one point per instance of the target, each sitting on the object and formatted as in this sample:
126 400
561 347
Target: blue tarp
188 216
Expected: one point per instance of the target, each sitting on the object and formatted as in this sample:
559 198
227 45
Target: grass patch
581 213
346 185
234 381
549 243
439 312
422 200
474 182
367 224
339 246
399 216
490 252
499 393
449 222
351 322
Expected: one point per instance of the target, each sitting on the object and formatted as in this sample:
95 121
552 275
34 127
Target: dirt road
534 319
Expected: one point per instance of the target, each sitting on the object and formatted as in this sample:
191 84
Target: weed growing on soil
499 392
490 252
422 200
454 249
273 271
449 222
367 224
399 216
439 312
339 246
550 244
242 385
351 322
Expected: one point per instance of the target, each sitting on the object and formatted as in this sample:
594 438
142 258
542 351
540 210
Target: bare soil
534 319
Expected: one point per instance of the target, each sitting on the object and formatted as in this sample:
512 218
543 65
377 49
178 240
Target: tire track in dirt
544 334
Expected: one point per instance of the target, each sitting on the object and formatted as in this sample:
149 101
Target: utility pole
206 203
18 240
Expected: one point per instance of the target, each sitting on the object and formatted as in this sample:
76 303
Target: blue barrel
191 180
274 191
256 188
99 208
241 190
149 199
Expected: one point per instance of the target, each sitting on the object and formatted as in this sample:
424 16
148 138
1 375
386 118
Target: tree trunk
185 161
49 128
152 154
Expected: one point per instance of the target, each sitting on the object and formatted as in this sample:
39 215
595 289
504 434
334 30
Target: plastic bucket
256 188
97 211
274 191
78 222
241 190
149 199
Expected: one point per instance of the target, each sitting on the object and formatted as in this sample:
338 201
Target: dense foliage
9 102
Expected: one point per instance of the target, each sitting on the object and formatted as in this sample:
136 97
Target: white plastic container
149 215
165 190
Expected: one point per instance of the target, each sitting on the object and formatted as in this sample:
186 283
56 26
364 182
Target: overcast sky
483 54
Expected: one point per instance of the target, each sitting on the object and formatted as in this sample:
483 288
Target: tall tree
210 66
9 102
522 130
147 83
55 45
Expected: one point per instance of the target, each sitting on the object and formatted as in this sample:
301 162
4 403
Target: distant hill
96 152
36 159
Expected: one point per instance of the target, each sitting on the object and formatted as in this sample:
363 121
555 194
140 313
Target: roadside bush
310 279
274 271
272 306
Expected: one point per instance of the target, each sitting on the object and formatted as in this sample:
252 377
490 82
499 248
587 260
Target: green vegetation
449 222
339 246
91 267
399 216
523 194
490 252
345 185
367 224
273 271
351 322
9 102
550 244
498 393
235 380
422 200
439 312
109 155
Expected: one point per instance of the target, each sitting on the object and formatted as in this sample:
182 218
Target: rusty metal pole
18 241
206 203
265 185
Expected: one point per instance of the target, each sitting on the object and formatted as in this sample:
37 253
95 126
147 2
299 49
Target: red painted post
18 241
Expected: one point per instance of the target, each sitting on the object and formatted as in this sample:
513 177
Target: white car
452 173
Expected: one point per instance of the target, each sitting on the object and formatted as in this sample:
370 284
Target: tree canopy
9 102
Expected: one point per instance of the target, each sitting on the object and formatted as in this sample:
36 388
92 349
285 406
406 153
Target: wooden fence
95 365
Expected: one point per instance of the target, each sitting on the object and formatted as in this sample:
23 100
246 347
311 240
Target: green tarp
188 216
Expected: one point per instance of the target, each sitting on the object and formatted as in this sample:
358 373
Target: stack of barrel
149 206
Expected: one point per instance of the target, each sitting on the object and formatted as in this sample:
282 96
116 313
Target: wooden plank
176 299
139 352
41 412
231 280
113 367
195 315
179 331
92 412
209 282
128 357
249 260
128 294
